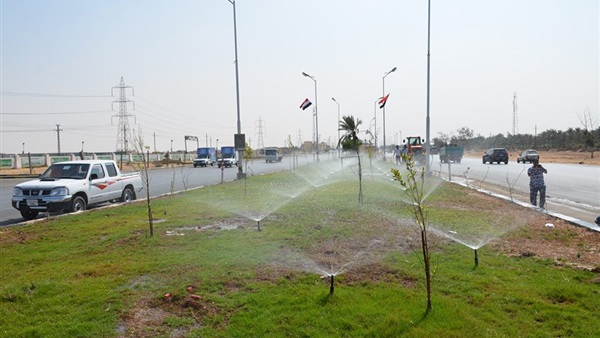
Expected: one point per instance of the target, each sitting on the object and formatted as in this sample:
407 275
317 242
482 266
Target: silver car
529 155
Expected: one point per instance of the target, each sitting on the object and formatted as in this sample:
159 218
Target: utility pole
154 137
515 119
123 130
58 130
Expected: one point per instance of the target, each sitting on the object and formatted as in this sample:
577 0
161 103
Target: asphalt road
572 190
163 181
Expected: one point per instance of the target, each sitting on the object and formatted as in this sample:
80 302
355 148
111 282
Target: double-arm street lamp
316 113
383 81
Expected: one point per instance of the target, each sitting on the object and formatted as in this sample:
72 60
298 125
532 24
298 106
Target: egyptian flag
305 104
383 100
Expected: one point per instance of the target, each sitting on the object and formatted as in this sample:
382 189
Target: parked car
529 155
495 155
73 186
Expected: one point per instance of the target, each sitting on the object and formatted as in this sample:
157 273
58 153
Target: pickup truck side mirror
93 176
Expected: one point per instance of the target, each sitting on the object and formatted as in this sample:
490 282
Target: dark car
495 155
529 155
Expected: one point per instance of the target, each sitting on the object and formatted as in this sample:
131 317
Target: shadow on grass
325 299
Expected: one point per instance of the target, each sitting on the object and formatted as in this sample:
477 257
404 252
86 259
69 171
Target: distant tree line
573 139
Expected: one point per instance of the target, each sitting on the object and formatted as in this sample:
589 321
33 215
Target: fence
18 161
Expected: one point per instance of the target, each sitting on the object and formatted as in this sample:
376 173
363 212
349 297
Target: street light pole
338 128
427 164
316 112
375 118
237 91
383 81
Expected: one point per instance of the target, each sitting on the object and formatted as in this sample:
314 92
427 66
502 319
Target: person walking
536 183
398 154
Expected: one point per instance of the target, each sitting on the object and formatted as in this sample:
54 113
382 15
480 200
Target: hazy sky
60 59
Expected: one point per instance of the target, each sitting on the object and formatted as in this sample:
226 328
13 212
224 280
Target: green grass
99 274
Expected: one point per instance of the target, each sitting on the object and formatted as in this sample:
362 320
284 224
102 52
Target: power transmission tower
260 132
58 130
123 132
515 118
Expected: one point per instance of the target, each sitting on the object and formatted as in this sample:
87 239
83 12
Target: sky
60 62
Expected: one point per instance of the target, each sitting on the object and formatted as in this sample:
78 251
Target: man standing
536 183
398 154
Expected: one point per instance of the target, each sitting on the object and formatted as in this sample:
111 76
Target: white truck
273 155
73 186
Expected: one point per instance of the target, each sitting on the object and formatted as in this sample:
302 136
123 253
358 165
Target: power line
48 95
61 113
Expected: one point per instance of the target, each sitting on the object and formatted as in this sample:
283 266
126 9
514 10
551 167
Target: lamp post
82 142
427 164
23 148
375 118
171 146
383 81
237 91
316 113
338 128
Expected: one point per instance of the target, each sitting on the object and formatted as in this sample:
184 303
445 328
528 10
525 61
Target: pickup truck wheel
127 195
78 204
29 214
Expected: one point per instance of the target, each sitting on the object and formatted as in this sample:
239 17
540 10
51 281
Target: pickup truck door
115 184
98 184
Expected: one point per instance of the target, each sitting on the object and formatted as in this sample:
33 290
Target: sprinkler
258 223
331 285
476 258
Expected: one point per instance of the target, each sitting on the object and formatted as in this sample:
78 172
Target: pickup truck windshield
72 171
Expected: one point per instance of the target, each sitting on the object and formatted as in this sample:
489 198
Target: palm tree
350 141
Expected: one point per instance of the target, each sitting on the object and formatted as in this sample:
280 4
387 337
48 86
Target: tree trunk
426 261
360 192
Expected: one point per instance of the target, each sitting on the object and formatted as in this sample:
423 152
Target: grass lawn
209 271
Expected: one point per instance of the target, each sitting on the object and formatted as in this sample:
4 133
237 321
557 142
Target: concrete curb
19 176
569 219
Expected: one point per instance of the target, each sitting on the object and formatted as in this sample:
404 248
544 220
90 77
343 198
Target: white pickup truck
74 185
